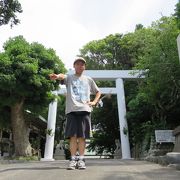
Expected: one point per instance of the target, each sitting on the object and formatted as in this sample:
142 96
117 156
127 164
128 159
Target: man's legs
77 144
73 150
77 128
81 146
81 149
73 146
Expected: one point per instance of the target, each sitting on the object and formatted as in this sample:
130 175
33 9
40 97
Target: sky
68 25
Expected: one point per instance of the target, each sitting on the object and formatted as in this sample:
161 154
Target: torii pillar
115 75
50 134
124 134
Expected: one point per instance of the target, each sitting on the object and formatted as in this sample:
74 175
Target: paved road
97 169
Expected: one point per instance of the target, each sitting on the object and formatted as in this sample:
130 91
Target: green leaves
25 69
6 81
161 85
152 102
8 10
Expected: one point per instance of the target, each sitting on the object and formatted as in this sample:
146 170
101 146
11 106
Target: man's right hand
57 76
53 76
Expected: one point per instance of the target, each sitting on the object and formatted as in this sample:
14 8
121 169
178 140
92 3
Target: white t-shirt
79 89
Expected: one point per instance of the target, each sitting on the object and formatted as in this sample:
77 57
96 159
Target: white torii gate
113 75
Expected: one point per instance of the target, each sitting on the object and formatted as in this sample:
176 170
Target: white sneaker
72 165
81 164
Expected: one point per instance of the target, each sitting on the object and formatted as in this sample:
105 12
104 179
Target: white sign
164 136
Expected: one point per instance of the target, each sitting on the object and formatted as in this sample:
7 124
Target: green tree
115 52
106 125
138 27
8 10
177 14
154 102
25 84
107 53
162 83
156 105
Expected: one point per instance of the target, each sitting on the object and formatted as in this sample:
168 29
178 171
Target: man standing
78 109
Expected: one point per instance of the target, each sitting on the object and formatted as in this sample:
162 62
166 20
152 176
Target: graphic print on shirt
80 90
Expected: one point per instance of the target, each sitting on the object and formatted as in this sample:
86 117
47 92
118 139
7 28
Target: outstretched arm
57 76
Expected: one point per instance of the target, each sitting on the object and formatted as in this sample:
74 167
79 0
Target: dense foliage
8 10
152 103
25 83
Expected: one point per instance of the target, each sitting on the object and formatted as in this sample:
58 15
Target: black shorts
78 124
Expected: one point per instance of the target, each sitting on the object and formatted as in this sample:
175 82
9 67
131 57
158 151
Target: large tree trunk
20 130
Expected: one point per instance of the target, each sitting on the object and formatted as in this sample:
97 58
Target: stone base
117 156
46 159
173 157
59 157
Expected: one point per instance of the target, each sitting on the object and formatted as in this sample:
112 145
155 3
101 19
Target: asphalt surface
97 169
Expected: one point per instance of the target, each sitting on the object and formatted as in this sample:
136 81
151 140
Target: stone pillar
176 133
117 153
59 152
124 134
49 146
174 157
